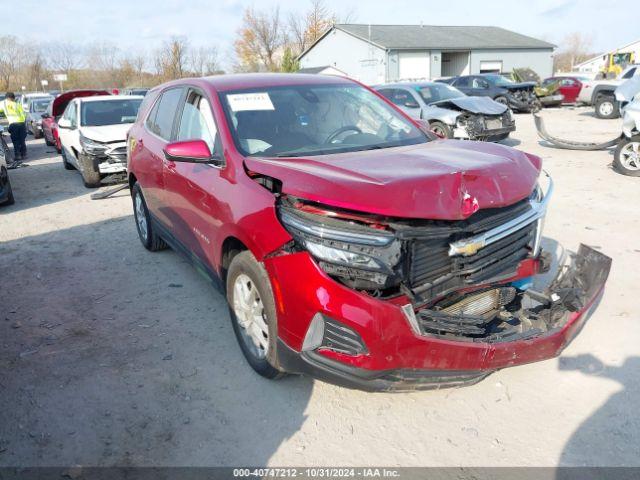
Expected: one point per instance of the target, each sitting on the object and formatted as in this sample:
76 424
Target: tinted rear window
161 119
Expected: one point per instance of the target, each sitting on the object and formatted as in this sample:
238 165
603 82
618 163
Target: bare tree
11 56
204 61
171 59
260 40
306 28
64 56
575 48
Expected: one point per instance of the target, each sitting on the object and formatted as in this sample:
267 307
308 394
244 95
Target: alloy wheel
630 156
141 218
251 315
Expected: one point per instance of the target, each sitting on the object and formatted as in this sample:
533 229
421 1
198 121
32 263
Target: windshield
109 112
314 120
498 80
438 92
40 106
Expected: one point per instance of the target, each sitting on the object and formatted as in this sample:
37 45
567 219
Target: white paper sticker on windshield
241 102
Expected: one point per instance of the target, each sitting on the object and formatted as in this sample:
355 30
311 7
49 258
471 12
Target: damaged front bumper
403 347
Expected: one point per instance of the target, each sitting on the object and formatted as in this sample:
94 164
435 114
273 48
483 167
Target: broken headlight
361 256
91 146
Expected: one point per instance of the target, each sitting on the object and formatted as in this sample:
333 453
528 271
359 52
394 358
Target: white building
593 65
376 54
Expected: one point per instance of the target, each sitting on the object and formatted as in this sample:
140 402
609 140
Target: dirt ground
112 355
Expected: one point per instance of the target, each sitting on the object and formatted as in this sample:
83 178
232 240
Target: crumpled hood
519 86
107 133
427 181
484 105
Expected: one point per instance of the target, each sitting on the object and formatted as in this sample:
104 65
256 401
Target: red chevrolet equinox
351 243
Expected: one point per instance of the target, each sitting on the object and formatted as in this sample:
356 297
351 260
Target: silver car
450 113
34 109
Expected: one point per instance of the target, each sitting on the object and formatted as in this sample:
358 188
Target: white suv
599 93
93 133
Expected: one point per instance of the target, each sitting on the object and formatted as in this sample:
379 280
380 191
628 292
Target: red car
569 87
56 109
350 244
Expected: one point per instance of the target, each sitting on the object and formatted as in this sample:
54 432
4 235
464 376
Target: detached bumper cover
400 359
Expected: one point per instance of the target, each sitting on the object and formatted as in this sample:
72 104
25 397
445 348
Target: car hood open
428 181
483 105
107 133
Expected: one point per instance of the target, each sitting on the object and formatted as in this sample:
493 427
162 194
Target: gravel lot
111 355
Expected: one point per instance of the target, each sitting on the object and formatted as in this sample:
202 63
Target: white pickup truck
599 93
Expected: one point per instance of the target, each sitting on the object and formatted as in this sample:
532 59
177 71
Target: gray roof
441 37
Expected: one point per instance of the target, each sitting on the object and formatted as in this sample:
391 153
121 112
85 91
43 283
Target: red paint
569 87
205 205
190 149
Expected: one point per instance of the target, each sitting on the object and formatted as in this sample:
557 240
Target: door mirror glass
64 123
411 104
193 151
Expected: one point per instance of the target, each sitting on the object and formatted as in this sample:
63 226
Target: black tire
607 107
502 100
65 163
90 177
149 238
617 158
5 177
441 129
244 263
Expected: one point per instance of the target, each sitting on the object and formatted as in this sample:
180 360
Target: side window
160 120
70 114
197 122
387 93
630 73
462 82
480 83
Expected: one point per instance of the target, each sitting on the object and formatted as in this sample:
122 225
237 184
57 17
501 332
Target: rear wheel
441 129
626 159
607 107
149 238
253 314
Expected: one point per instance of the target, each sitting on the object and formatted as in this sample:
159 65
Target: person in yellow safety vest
17 127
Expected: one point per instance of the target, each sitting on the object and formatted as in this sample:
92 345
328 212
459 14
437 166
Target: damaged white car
93 132
450 113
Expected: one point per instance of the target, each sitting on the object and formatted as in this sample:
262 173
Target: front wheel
441 129
607 107
90 177
65 162
502 101
626 158
253 314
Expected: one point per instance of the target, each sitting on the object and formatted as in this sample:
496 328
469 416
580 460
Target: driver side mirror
411 104
191 151
65 123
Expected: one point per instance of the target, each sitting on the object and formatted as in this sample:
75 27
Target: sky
141 25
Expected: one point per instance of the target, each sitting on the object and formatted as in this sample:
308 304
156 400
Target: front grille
433 272
119 154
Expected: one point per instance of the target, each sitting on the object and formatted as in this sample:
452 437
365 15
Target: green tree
289 62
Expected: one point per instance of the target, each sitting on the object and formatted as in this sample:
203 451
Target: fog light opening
315 333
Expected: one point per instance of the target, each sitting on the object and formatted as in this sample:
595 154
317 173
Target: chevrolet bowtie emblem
465 249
